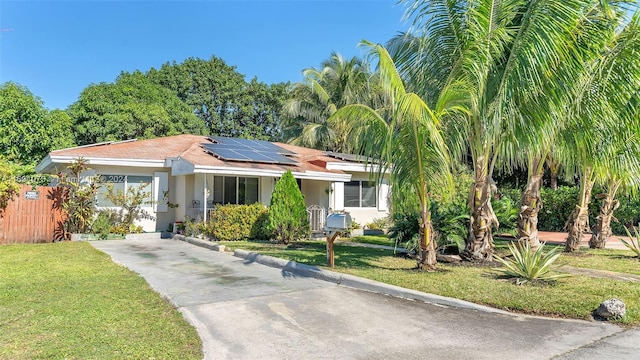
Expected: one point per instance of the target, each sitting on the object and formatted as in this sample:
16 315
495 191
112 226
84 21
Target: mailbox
338 221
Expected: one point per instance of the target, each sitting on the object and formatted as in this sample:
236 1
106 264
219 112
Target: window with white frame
235 190
360 193
122 184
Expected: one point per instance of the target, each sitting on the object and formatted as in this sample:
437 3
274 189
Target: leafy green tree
222 99
8 185
489 59
405 138
288 219
131 108
259 114
28 132
337 83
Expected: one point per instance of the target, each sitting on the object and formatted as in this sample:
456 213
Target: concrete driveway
244 310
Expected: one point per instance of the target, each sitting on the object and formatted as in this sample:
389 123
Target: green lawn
371 239
573 297
70 301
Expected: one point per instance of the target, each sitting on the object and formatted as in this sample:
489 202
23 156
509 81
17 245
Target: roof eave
307 175
48 162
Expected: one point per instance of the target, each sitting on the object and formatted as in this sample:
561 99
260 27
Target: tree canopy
132 107
27 130
222 99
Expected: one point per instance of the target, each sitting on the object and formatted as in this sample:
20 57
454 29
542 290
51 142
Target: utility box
338 222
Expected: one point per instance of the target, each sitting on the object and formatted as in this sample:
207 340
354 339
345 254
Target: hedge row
236 222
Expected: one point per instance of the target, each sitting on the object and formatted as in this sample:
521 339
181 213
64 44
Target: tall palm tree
405 138
592 36
337 83
624 174
605 124
500 54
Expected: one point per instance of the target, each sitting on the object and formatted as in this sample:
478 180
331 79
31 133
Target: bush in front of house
236 222
288 219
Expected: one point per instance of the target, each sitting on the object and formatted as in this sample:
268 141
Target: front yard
574 297
70 301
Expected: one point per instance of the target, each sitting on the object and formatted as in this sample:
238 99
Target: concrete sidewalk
245 310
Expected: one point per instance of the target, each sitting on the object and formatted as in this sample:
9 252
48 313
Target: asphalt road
245 310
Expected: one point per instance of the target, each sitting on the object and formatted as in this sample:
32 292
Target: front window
360 194
235 190
123 184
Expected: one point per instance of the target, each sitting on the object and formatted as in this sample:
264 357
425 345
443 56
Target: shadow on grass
313 253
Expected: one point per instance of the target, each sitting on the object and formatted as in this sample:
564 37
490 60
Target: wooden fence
33 216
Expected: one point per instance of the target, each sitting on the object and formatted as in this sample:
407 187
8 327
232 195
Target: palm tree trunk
427 256
480 241
579 219
530 206
602 230
554 167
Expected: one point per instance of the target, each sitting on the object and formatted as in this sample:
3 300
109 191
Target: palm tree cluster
501 84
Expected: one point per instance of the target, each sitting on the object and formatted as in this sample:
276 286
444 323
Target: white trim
67 159
343 166
309 175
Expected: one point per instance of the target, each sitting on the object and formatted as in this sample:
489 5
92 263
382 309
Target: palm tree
626 175
594 30
623 170
337 83
405 138
500 54
603 137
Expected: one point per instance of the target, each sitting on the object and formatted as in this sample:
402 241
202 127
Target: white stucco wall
316 192
161 220
266 189
364 215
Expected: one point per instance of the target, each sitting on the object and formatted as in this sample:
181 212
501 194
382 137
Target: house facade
186 175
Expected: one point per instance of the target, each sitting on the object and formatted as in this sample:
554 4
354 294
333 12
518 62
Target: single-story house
185 175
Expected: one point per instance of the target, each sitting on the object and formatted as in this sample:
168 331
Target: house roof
184 154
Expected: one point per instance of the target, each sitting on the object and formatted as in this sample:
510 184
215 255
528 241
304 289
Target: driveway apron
244 310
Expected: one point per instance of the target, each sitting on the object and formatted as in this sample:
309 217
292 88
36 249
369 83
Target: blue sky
57 48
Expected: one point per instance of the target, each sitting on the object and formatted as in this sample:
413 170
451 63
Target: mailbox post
336 224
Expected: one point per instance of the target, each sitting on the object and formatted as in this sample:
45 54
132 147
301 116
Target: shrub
129 210
450 217
288 219
528 265
236 222
451 224
102 224
379 223
405 230
79 198
507 212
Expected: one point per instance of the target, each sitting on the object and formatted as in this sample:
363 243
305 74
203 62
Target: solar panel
350 157
259 145
259 151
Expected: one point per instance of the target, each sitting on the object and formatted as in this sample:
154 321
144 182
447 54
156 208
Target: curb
344 279
199 242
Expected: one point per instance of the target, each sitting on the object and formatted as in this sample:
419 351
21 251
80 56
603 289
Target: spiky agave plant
634 241
529 265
